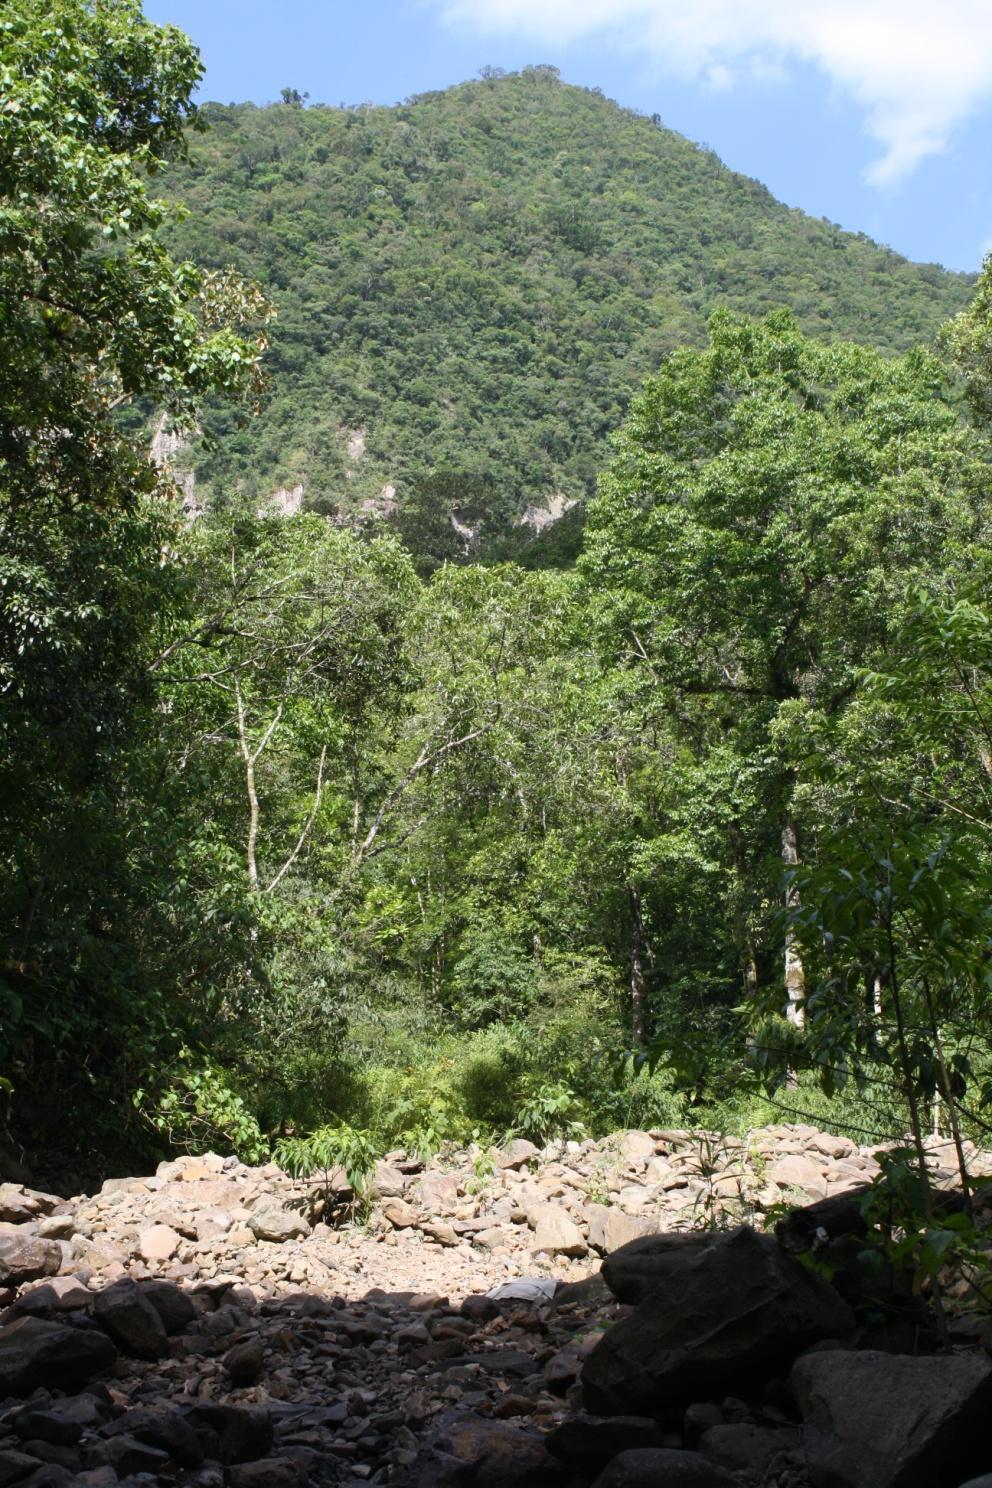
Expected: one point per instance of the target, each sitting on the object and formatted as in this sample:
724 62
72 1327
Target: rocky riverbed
605 1313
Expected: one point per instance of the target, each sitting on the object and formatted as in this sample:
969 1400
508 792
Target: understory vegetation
303 835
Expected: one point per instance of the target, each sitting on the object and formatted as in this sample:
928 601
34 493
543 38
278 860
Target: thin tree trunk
795 977
638 986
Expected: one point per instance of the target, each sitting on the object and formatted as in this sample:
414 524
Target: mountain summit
470 285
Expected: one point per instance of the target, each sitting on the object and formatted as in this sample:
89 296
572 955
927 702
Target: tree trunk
795 978
638 986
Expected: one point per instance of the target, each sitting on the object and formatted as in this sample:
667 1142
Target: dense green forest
298 836
475 282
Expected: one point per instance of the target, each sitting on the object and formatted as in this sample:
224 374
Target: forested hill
470 285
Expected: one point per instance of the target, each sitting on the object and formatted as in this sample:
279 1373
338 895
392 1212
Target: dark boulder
232 1433
641 1266
661 1468
736 1308
175 1308
590 1442
124 1312
35 1351
875 1420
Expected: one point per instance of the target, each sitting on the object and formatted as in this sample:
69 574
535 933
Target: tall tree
94 314
769 501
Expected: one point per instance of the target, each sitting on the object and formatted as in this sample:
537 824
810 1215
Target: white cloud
914 69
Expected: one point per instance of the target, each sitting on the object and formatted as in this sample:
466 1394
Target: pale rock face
168 448
285 502
355 444
539 517
158 1243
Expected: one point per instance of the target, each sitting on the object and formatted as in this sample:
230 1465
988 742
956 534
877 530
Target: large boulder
662 1468
875 1420
35 1351
124 1312
633 1271
736 1308
26 1257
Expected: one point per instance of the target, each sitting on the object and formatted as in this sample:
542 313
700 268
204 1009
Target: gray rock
126 1454
35 1351
271 1472
231 1433
590 1442
389 1182
747 1448
876 1420
15 1466
660 1468
556 1232
737 1308
124 1312
18 1203
610 1228
166 1430
271 1220
515 1154
26 1257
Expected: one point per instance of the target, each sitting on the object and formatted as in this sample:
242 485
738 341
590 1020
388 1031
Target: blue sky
876 114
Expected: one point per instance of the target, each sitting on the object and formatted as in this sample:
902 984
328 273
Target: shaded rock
590 1442
46 1426
464 1448
26 1257
15 1466
126 1454
165 1429
739 1307
271 1472
232 1433
271 1220
640 1266
875 1420
649 1468
244 1362
124 1312
746 1448
175 1307
35 1351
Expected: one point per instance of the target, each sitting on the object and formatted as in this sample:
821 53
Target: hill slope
471 284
